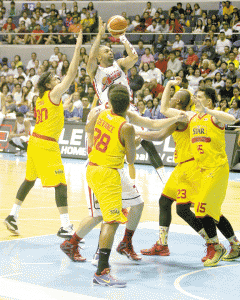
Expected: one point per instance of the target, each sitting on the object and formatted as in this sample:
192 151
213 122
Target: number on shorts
201 207
200 149
41 115
101 141
181 194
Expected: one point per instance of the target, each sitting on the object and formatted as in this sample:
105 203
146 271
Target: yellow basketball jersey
183 149
207 142
108 150
49 117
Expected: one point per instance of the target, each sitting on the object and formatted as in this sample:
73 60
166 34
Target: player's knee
61 195
24 189
165 203
183 210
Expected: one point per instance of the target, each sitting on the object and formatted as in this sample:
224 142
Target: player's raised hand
101 27
79 39
182 117
176 81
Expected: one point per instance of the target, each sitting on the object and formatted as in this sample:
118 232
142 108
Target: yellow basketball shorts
183 184
106 185
45 164
213 187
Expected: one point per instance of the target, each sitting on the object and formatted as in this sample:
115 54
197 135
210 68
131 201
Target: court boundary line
181 290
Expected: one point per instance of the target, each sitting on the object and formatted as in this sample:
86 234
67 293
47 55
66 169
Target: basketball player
43 155
212 188
130 196
20 135
108 72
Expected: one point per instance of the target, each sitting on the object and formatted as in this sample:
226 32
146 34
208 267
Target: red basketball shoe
72 251
127 250
161 250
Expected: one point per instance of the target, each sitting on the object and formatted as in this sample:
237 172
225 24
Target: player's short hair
19 114
43 80
119 98
209 93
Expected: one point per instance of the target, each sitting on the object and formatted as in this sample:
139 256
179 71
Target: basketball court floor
32 266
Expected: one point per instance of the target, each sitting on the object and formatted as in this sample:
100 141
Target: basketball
117 25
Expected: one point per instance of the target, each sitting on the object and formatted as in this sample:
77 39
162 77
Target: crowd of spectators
214 61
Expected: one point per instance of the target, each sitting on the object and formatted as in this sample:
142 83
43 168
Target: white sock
162 174
15 211
65 220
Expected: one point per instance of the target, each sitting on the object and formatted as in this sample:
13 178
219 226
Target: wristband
123 39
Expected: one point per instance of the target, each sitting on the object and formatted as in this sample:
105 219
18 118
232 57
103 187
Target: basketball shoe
127 250
157 249
215 252
72 251
11 224
105 279
233 254
67 233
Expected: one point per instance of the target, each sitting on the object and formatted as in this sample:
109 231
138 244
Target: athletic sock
213 240
162 174
204 235
233 240
128 236
163 235
15 211
75 239
65 220
104 254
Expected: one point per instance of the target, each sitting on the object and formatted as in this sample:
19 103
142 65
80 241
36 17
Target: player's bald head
184 96
103 49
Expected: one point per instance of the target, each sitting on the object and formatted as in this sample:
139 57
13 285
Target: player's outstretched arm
127 135
92 119
157 135
61 88
156 124
128 62
93 54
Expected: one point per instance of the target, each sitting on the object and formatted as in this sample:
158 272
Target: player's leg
106 185
166 200
155 159
130 198
208 207
26 186
226 229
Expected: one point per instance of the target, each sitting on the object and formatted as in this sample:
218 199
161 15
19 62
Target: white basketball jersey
105 77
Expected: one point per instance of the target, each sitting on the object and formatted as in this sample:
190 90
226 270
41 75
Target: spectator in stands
215 20
194 81
183 21
64 37
147 57
51 38
22 39
178 43
2 20
31 63
154 27
54 57
130 27
196 10
76 13
91 94
10 105
168 76
161 63
17 60
149 9
59 25
228 8
32 25
25 19
204 18
93 12
235 111
232 73
88 23
221 43
208 49
225 56
223 106
223 70
218 83
213 38
68 20
146 95
135 80
199 27
64 69
74 28
208 82
232 59
12 11
144 72
154 72
188 11
37 37
227 91
63 11
174 64
85 105
136 21
155 109
204 68
148 19
10 82
227 30
141 27
192 58
236 25
155 88
17 93
83 13
44 25
150 105
142 110
236 94
160 45
175 26
164 27
87 84
23 106
71 113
